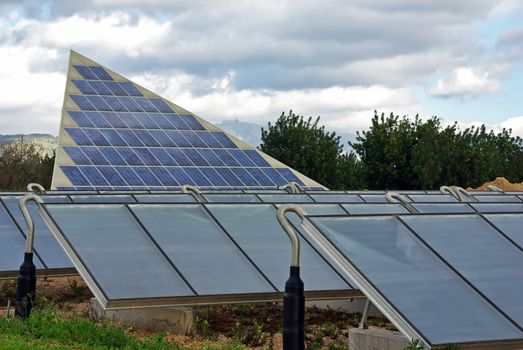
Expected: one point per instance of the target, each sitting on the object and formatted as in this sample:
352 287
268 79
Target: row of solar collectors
170 177
440 278
454 278
52 259
121 104
120 120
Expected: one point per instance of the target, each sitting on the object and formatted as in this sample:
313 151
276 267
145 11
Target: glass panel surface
432 208
200 249
120 257
321 209
418 284
285 198
432 198
255 228
44 242
103 198
165 198
374 198
511 225
377 208
498 199
231 198
478 252
336 198
498 207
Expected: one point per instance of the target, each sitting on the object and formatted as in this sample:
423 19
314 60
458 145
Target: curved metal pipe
39 188
22 203
395 197
494 188
287 186
463 192
195 190
299 188
287 227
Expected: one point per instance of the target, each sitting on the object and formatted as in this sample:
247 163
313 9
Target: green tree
307 147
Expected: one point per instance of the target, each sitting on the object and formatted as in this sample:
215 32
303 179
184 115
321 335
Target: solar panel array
116 135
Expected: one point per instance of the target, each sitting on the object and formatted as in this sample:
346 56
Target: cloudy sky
250 60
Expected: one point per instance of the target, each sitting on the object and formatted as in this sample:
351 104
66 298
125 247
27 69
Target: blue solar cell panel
85 72
177 121
260 177
213 176
94 176
80 119
99 102
145 104
274 176
256 158
161 120
195 157
289 175
112 176
162 138
147 138
96 136
146 156
78 136
82 102
130 157
100 87
84 87
100 73
129 103
131 89
112 156
242 159
77 156
228 176
245 177
181 176
115 88
146 121
191 121
113 119
164 176
95 156
113 137
97 119
226 157
163 157
209 139
193 138
179 156
197 177
223 139
130 137
161 105
147 176
115 103
210 157
131 121
74 175
130 176
178 138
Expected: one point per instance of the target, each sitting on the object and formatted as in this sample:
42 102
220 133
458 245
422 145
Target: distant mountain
47 142
251 133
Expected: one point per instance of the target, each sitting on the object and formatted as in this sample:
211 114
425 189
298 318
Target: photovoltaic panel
110 121
510 225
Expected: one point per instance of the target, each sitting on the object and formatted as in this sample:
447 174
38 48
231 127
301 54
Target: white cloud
466 81
514 123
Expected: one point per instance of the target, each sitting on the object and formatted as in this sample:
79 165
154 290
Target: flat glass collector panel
231 198
165 198
435 208
285 198
478 252
498 199
336 198
44 242
432 198
255 228
103 198
201 251
415 282
374 198
498 207
509 224
320 209
376 208
116 251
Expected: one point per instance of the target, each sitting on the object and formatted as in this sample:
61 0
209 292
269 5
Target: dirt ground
501 183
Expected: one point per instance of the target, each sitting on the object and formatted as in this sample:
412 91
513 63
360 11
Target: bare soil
501 183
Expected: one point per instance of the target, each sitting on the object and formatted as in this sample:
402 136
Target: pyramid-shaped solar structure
117 135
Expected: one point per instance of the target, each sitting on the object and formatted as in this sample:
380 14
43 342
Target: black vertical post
293 312
25 290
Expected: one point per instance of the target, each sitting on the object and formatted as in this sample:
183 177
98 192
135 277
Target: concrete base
376 339
177 320
347 305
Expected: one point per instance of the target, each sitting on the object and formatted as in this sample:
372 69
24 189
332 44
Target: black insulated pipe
294 312
26 288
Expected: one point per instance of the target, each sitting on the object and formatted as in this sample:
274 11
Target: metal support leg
363 322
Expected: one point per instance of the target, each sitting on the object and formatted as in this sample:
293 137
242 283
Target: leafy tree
307 147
